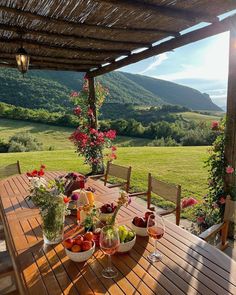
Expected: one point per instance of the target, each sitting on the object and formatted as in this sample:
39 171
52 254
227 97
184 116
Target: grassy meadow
180 165
55 137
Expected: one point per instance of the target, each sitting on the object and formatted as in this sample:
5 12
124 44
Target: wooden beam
78 50
72 37
230 131
87 30
67 60
59 64
44 67
158 10
185 39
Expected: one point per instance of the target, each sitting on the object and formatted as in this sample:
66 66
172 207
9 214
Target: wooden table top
189 265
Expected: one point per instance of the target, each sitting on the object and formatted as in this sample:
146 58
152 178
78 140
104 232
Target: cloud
157 61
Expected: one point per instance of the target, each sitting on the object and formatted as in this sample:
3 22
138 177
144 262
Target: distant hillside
50 90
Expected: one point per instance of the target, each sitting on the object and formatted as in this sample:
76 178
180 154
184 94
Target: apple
147 214
76 248
87 245
88 236
68 243
78 240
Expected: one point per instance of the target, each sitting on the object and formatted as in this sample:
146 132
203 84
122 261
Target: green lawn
181 165
55 137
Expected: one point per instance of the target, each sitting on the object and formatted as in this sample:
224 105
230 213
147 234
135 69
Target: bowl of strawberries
80 248
139 224
106 211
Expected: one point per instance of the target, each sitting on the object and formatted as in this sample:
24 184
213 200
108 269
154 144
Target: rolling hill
50 90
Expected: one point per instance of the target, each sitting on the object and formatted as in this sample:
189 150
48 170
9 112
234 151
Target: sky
202 65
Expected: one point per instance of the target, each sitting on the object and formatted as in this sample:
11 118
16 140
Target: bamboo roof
98 36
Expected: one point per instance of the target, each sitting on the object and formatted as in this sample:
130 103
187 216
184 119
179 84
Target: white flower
38 182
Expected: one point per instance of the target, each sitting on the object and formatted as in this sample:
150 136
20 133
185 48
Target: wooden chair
170 192
117 171
223 227
10 169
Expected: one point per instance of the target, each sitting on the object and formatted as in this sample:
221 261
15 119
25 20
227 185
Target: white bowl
80 256
125 247
105 216
140 231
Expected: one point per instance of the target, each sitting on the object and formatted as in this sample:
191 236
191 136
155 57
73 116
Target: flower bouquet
49 197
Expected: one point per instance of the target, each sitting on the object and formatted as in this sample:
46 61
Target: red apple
68 243
135 220
79 240
88 236
76 248
87 245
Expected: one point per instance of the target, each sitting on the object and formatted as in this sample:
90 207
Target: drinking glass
156 230
109 242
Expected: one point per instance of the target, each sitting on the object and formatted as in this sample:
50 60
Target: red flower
29 174
40 173
111 134
229 170
34 173
200 219
222 200
43 167
113 148
189 202
77 110
74 94
66 200
90 112
215 125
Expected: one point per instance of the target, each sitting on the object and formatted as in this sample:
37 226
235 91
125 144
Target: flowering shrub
90 141
211 210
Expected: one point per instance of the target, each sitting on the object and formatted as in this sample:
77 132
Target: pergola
99 36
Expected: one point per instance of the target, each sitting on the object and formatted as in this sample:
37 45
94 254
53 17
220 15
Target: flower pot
53 224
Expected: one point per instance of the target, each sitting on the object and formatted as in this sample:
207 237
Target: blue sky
202 65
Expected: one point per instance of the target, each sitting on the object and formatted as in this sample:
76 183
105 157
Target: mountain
50 90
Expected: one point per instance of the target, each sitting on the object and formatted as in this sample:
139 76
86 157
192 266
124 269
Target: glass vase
53 224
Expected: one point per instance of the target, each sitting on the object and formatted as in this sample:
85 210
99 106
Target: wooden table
189 265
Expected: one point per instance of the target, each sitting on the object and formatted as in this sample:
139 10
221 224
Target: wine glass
109 242
156 230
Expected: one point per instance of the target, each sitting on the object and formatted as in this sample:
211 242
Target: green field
200 117
54 137
181 165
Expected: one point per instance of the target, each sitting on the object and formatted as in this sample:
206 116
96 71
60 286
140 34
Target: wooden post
92 102
230 131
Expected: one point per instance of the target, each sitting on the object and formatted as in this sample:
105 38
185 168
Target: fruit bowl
125 247
80 256
140 231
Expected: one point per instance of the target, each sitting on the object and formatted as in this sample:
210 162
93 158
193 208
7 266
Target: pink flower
200 219
189 202
222 200
75 196
215 125
113 148
229 170
77 110
90 112
74 94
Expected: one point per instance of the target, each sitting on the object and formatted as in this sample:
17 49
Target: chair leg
177 215
224 234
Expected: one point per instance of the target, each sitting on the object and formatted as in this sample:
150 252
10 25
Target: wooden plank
184 39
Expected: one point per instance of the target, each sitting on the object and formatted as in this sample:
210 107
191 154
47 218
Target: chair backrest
118 171
170 192
10 169
230 210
